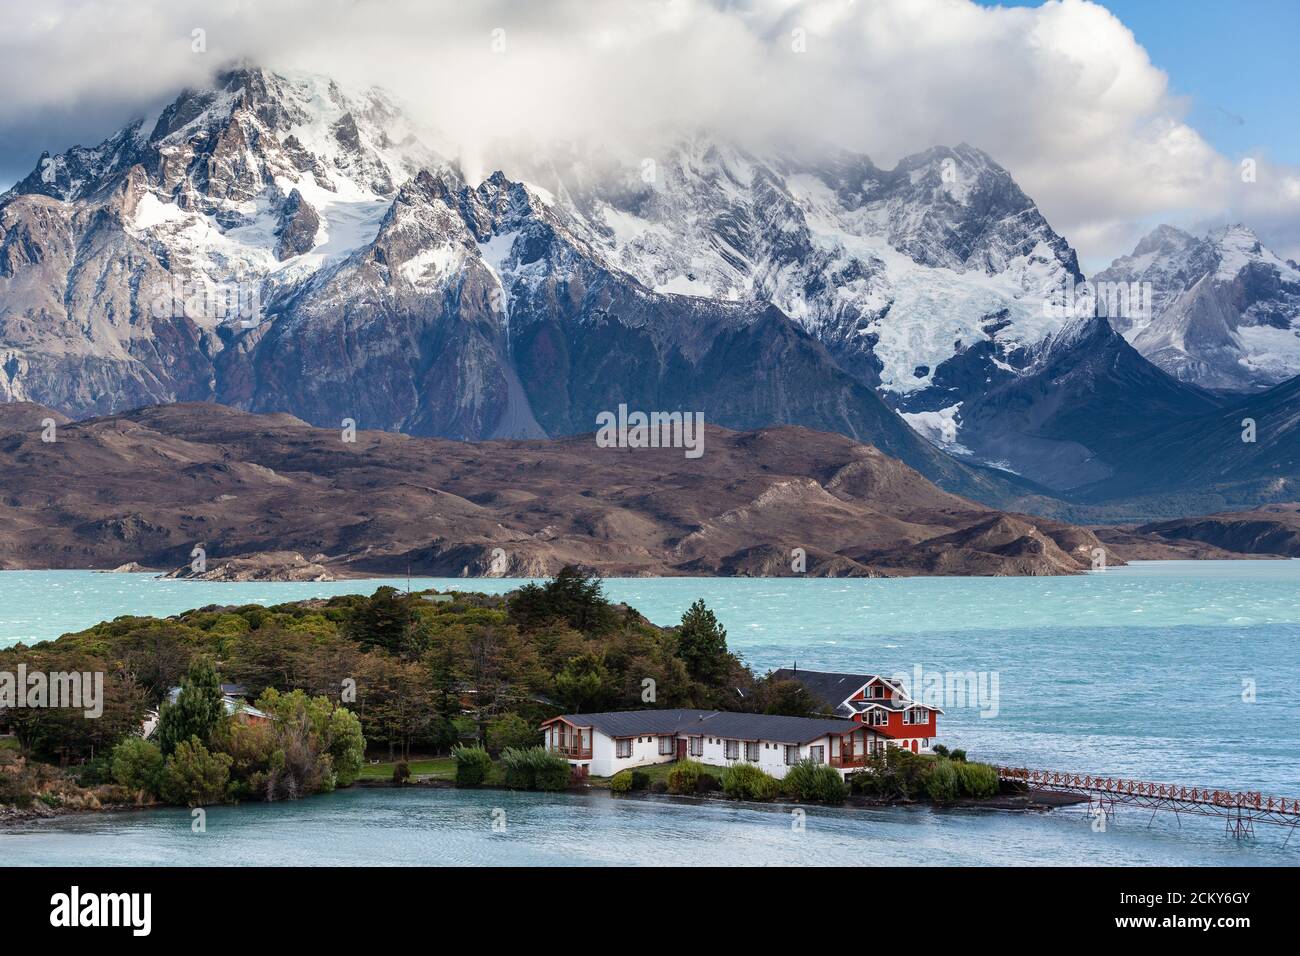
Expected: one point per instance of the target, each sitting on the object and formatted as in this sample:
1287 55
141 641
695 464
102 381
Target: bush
894 774
863 782
659 786
192 776
940 750
535 768
95 772
745 781
707 783
251 748
472 765
510 731
621 782
684 777
402 773
941 783
810 782
640 779
976 779
958 755
20 780
311 745
137 765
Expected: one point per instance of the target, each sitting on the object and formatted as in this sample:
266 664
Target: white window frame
731 749
817 753
696 748
791 754
669 743
619 744
751 747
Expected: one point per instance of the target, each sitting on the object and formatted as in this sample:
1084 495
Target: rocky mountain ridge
269 495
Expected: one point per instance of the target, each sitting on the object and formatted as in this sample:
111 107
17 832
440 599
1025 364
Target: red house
878 702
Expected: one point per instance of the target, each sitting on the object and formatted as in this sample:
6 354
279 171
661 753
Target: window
665 746
879 718
751 750
817 754
623 747
791 755
697 747
733 749
877 691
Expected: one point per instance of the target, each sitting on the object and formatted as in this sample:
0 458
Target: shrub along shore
896 776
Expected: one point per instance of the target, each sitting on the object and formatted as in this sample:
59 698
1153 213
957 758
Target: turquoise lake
1181 672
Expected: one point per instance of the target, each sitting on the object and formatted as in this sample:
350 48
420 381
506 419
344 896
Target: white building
603 744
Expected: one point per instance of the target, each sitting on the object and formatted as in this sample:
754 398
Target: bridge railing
1118 786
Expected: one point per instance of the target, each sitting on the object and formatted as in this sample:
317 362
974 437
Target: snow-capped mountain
124 269
921 280
278 243
1225 309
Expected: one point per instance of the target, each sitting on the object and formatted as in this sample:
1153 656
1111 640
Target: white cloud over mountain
1062 95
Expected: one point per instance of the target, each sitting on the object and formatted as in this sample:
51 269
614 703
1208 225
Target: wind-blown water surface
1144 671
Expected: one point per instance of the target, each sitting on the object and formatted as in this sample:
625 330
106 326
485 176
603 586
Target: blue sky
1235 61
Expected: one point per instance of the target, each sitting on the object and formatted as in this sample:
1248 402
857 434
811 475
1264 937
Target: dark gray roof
829 690
715 723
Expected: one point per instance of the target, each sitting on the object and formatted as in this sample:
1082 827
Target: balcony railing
849 760
573 751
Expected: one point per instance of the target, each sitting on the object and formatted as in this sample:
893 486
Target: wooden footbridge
1240 810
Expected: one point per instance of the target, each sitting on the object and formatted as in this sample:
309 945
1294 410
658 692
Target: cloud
1062 95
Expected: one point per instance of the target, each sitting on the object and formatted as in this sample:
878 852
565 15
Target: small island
229 704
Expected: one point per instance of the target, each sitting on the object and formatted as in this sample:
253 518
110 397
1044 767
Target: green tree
571 596
318 745
193 776
347 746
197 711
137 764
584 683
787 698
385 620
702 645
250 746
511 731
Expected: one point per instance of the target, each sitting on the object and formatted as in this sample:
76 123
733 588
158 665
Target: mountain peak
1162 237
1225 309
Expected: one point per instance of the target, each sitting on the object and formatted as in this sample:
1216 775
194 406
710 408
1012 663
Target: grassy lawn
440 768
656 771
8 743
431 768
